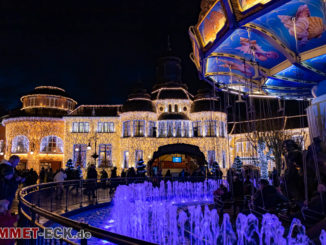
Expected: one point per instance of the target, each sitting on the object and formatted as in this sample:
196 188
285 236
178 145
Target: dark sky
94 49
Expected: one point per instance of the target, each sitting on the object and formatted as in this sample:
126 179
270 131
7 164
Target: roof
36 112
267 124
173 116
96 111
138 100
177 92
139 104
49 90
283 64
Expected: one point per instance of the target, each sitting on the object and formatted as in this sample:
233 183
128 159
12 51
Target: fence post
51 194
67 188
38 203
33 241
96 187
81 193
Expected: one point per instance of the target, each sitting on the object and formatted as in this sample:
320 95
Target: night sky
96 50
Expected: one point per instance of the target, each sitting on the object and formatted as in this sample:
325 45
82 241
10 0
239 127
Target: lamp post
94 155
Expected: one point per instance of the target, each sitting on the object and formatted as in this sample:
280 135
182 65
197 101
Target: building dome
172 116
138 100
167 93
50 90
205 101
169 83
47 98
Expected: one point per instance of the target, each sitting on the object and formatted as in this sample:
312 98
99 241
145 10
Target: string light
34 129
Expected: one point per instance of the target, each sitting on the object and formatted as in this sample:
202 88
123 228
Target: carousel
264 49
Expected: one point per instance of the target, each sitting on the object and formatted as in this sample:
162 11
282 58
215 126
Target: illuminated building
169 127
36 131
169 115
243 143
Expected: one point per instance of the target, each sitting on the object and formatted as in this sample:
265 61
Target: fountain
178 213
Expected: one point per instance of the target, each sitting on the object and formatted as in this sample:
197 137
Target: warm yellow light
34 128
247 4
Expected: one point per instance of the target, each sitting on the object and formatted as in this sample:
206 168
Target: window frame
151 127
82 150
178 129
15 143
139 128
126 129
185 129
48 145
107 153
80 127
105 127
141 153
162 129
125 157
198 125
211 128
209 154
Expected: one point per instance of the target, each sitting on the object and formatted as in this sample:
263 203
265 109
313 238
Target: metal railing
43 205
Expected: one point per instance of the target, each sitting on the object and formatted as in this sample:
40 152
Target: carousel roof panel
279 82
278 43
319 62
296 72
229 65
309 24
252 47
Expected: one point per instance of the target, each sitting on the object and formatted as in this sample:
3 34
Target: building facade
36 131
120 135
49 130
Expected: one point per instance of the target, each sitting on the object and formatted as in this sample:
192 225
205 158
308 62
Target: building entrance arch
175 157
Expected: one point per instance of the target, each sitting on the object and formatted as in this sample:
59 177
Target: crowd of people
299 191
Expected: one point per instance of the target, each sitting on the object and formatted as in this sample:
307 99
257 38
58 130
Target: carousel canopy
261 47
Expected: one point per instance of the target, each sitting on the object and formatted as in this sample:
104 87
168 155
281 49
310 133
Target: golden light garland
34 129
130 144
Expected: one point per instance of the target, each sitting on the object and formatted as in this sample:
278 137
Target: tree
70 164
263 159
237 164
267 136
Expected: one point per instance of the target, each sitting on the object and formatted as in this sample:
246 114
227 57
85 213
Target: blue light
177 159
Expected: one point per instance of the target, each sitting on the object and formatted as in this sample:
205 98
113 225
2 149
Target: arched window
20 144
175 108
170 108
52 144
